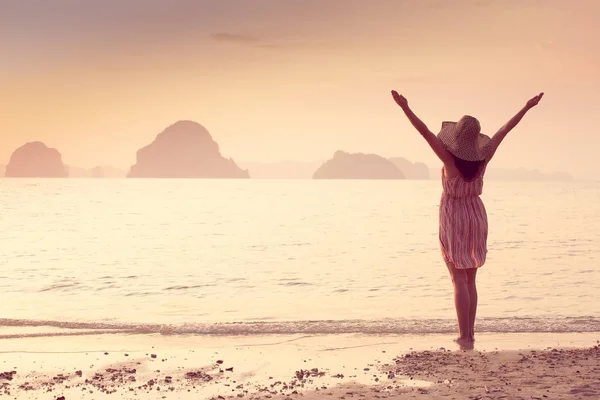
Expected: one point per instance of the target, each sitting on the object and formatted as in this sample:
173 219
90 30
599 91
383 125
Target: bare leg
472 287
461 301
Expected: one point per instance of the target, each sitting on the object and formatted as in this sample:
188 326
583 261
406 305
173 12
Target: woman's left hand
534 101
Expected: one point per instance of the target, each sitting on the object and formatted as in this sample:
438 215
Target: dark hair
468 169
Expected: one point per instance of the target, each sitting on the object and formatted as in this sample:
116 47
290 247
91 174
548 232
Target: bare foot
465 343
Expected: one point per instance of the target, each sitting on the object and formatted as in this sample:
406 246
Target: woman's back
458 187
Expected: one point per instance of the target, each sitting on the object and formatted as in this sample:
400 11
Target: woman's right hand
399 99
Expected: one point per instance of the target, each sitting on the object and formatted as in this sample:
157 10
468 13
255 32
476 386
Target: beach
78 364
289 290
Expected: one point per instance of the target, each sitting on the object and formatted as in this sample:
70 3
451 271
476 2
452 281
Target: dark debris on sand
121 379
5 377
548 374
124 379
551 373
293 387
198 375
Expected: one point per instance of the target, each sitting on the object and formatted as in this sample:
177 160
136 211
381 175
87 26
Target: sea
252 257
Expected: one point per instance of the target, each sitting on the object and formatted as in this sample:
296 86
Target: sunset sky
277 80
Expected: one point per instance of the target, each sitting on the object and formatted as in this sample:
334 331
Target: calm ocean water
264 256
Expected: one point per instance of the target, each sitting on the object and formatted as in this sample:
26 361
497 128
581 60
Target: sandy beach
91 366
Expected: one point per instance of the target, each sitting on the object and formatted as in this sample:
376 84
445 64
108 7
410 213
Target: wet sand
507 366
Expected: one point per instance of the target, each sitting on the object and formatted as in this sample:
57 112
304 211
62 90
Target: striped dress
463 222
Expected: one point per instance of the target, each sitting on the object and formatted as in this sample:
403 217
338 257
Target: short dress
463 222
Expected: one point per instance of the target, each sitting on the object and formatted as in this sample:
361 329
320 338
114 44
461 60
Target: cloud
234 38
271 46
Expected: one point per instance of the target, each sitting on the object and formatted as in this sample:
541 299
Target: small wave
296 283
133 294
385 326
522 298
111 285
297 244
61 334
59 287
184 287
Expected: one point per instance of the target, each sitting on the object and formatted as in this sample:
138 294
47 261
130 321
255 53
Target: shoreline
312 366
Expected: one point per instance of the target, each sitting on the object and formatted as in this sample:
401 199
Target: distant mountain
306 169
184 150
411 170
100 171
75 172
111 172
282 169
522 174
357 166
35 160
517 175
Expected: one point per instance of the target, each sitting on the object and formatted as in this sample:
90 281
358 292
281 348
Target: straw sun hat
464 139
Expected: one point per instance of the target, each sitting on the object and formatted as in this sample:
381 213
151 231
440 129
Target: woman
465 153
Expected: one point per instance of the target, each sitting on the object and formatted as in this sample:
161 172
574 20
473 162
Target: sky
276 80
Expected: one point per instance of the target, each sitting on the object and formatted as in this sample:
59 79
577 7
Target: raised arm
502 132
420 126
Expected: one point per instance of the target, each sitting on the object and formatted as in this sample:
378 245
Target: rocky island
357 166
35 160
411 170
184 150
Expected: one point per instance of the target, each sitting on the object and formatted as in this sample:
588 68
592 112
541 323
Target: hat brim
472 150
